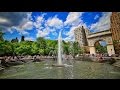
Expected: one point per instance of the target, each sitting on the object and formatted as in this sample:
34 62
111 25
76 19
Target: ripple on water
79 70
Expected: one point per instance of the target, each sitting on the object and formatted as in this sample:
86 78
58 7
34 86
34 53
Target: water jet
59 58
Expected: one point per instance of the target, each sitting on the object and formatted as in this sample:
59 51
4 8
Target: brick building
115 29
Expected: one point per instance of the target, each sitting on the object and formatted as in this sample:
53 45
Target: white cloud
9 19
21 31
9 29
29 38
54 22
96 17
73 18
39 21
51 24
70 34
54 33
29 16
103 23
26 25
19 21
43 33
4 20
47 37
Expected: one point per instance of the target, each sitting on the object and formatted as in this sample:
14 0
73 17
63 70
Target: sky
49 24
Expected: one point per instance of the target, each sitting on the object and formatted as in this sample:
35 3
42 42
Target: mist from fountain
59 59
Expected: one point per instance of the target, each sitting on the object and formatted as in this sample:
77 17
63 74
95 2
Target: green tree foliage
24 48
41 44
14 40
66 47
76 48
1 35
72 48
101 49
34 49
22 38
6 48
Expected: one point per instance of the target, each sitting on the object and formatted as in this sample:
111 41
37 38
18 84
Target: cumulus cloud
4 21
96 17
28 25
21 32
29 38
54 22
21 21
9 19
73 18
29 15
43 33
51 24
47 37
70 34
39 21
102 24
54 33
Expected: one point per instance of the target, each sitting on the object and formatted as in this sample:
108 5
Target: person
35 59
100 58
3 62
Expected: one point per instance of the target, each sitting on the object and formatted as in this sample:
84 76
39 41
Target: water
78 70
59 49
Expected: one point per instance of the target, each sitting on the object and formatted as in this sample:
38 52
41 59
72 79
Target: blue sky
48 24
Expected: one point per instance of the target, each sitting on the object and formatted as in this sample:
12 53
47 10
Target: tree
51 46
34 49
41 43
1 35
24 48
22 38
75 49
14 40
5 48
66 47
101 49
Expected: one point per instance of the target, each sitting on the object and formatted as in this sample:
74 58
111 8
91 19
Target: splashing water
59 60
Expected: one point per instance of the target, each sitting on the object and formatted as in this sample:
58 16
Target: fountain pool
78 70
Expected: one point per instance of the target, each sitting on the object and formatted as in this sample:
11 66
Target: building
115 30
80 36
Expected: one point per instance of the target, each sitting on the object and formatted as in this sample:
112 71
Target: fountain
59 59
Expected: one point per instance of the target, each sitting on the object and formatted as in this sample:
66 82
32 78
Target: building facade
115 30
80 36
